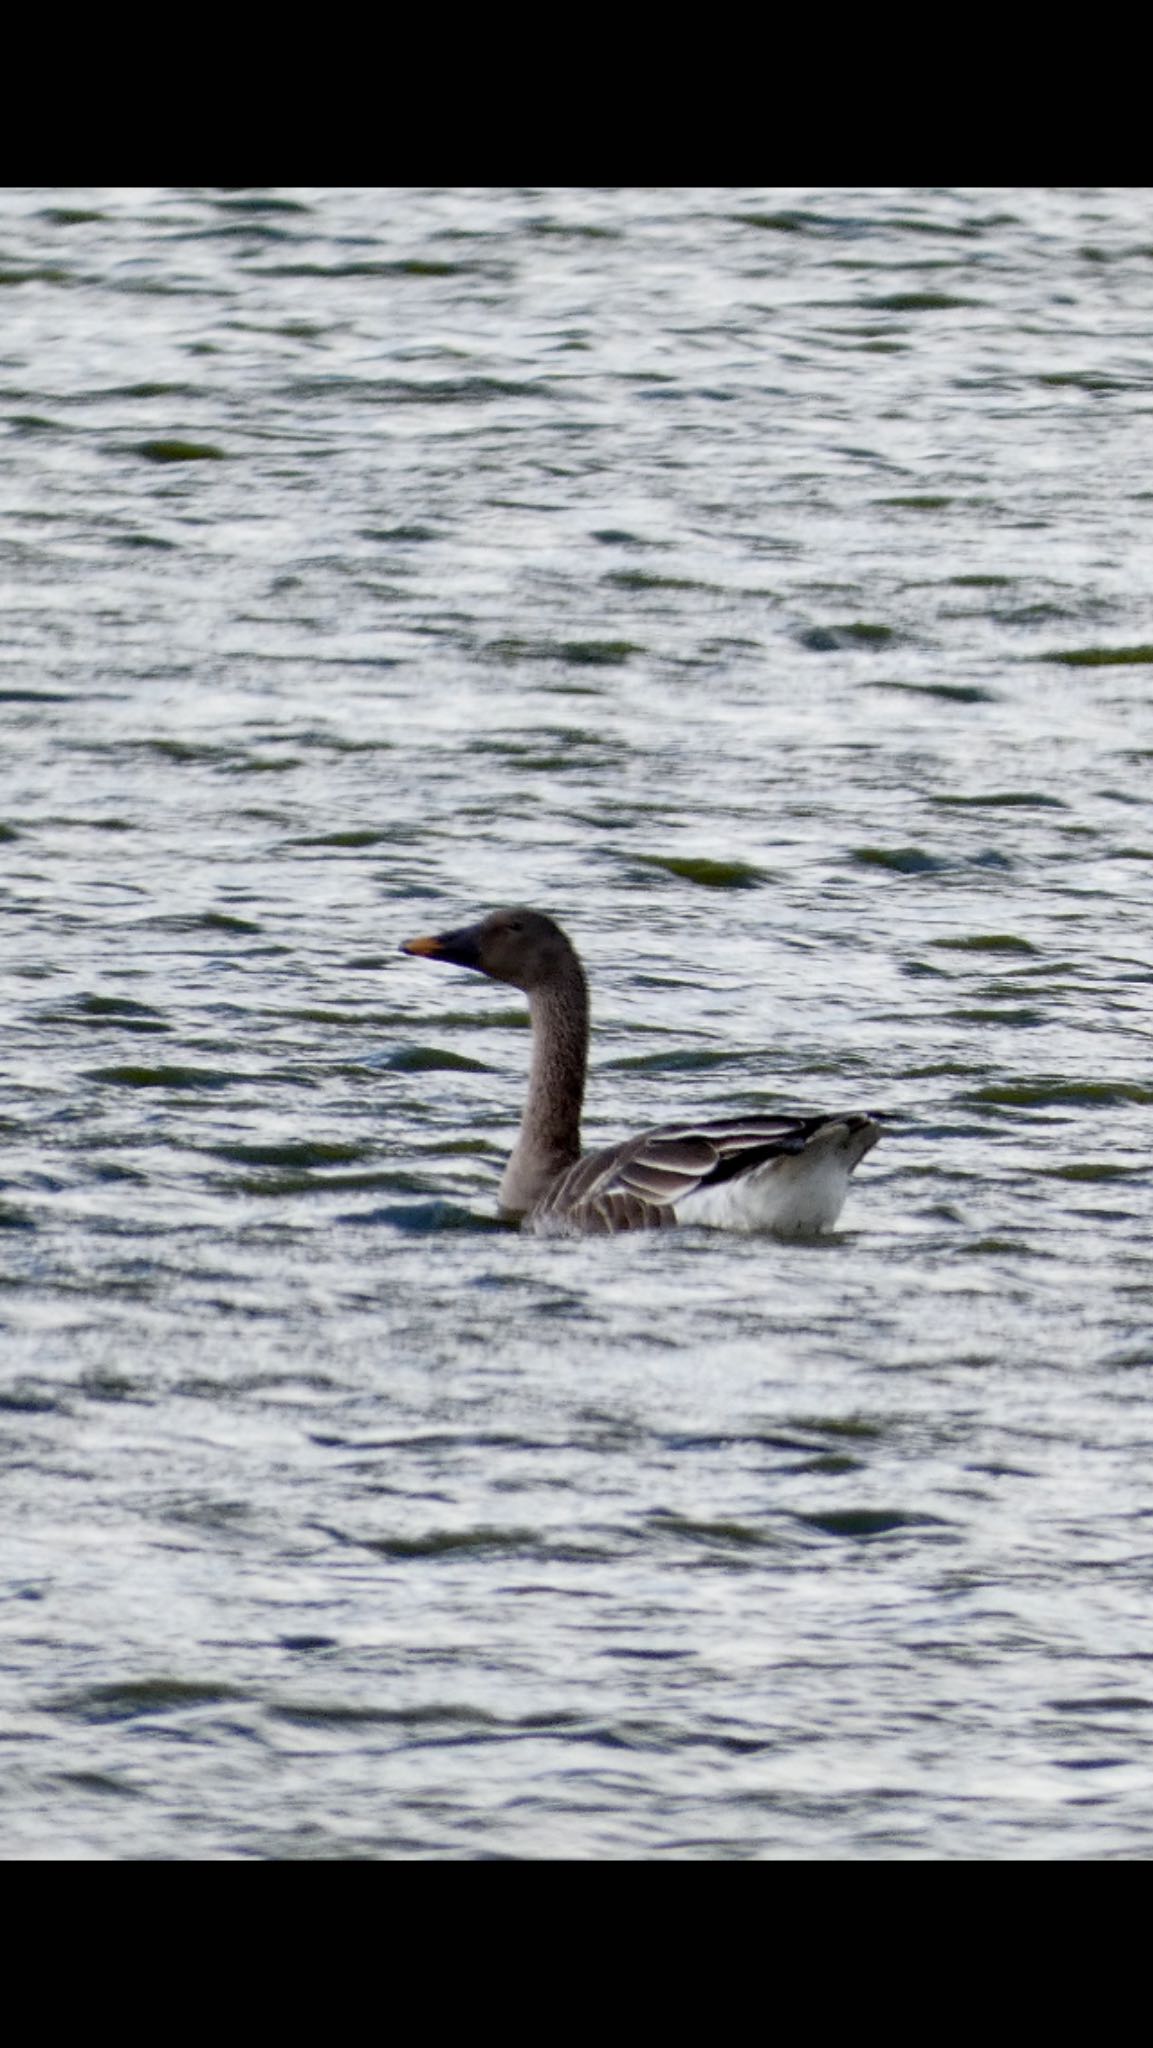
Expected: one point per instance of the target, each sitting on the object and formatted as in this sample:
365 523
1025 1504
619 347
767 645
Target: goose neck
560 1030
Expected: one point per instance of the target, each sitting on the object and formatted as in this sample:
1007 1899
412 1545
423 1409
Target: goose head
522 947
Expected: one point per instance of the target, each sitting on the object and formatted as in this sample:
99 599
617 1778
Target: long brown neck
550 1130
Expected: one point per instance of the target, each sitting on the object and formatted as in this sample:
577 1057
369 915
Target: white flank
792 1197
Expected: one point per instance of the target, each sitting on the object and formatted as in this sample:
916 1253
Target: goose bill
460 949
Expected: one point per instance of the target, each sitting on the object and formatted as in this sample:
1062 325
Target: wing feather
637 1185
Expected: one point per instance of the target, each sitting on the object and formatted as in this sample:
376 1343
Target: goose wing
637 1185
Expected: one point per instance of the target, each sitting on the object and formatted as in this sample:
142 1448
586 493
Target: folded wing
637 1185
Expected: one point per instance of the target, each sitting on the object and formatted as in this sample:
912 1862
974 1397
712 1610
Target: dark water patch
481 1147
729 1534
949 693
480 1020
40 273
785 221
162 1077
304 1643
937 1068
575 737
33 423
96 1021
354 837
114 1006
413 531
985 942
427 266
100 1783
922 503
441 1439
1044 1093
1028 615
832 1464
852 1426
674 1062
917 302
1002 800
103 394
340 743
664 981
399 391
261 202
620 537
299 1153
129 1699
249 229
960 231
642 579
349 1020
571 230
423 1059
1046 968
266 764
707 874
771 1439
1091 1170
1103 1703
565 688
404 266
179 451
427 1716
184 751
1089 380
867 1522
901 860
576 653
854 633
556 764
638 1656
278 1184
8 833
478 1542
114 1387
1091 1763
1101 657
22 1399
34 697
70 216
223 921
1020 1018
976 582
425 1219
143 540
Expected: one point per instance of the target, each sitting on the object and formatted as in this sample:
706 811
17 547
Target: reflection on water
759 582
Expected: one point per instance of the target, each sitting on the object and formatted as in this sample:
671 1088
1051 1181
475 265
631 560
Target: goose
785 1174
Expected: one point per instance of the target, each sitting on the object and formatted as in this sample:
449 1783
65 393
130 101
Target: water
760 582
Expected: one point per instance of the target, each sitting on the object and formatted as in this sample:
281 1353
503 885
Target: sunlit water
761 583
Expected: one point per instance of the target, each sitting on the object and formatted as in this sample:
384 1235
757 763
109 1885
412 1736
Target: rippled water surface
759 581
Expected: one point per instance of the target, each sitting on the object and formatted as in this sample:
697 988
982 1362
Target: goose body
785 1174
